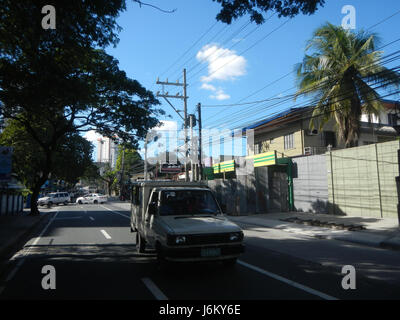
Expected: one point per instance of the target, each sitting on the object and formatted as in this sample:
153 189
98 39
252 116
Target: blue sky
222 69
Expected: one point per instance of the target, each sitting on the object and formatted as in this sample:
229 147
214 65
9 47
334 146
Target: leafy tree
71 158
64 80
342 73
232 9
109 176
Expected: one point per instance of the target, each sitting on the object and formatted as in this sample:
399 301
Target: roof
390 104
285 115
294 114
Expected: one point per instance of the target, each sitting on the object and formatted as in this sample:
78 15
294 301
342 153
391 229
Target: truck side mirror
223 207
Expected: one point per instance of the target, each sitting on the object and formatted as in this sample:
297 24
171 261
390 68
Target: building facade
107 151
290 135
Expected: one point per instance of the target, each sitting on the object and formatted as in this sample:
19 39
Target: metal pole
145 159
122 172
191 148
379 180
185 123
200 142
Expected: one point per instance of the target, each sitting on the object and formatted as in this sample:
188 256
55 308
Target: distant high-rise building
107 151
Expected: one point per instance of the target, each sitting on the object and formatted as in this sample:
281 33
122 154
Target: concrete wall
362 181
238 195
310 186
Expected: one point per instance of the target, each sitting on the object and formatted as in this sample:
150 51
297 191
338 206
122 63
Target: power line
380 22
190 48
249 48
382 61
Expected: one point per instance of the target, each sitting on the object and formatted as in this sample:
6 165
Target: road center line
157 293
105 234
287 281
116 212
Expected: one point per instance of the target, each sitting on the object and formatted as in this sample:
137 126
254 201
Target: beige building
290 135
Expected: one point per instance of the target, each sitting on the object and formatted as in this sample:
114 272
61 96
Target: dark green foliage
233 9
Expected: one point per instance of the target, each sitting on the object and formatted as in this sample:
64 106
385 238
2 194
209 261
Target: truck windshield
181 202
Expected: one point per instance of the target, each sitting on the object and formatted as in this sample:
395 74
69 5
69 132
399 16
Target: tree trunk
34 197
35 193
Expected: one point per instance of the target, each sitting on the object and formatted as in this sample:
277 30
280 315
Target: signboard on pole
5 163
170 168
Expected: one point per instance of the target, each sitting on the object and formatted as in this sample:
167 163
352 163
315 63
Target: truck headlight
236 236
180 239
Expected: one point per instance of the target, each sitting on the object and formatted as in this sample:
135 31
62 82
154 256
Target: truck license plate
210 252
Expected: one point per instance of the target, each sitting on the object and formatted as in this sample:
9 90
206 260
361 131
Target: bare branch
153 6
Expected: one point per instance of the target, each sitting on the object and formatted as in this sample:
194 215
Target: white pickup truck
182 221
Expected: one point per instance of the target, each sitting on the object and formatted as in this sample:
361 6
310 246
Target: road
93 254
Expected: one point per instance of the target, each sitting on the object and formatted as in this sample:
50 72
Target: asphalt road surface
94 256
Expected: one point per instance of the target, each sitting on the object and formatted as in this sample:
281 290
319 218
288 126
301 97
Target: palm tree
343 74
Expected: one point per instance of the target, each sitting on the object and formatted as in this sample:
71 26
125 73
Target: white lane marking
105 234
116 212
91 218
26 252
154 289
289 282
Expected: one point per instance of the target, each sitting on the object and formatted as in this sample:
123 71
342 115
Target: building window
289 141
392 119
329 139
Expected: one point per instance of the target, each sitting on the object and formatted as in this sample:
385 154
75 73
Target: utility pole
191 147
200 141
122 173
166 95
145 159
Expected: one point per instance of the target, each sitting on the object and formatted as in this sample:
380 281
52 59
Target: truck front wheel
140 243
161 261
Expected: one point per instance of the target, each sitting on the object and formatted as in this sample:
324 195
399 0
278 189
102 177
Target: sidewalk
14 228
384 233
122 205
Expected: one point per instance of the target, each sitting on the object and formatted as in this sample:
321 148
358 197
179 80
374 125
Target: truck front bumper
183 254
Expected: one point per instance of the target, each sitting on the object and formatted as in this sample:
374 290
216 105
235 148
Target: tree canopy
71 158
64 80
344 73
233 9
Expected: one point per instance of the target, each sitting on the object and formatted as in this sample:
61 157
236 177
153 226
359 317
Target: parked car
183 222
92 198
54 198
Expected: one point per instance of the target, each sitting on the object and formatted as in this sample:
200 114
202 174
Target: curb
381 241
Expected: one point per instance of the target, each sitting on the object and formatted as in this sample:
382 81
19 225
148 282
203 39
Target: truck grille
198 239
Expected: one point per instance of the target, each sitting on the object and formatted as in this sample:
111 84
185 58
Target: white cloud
220 95
223 64
208 86
167 125
92 136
